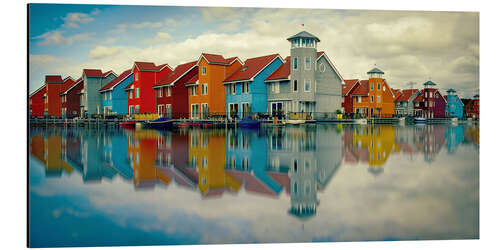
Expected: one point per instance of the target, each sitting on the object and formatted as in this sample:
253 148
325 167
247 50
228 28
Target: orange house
373 97
54 85
207 95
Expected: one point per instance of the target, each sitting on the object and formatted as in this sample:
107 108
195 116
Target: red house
172 94
471 108
434 104
37 103
347 88
54 85
141 95
70 99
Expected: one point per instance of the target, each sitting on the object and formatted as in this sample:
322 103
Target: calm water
282 184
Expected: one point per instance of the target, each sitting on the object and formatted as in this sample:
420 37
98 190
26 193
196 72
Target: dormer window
204 70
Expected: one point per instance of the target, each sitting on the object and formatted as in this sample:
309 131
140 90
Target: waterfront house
37 102
52 102
207 94
404 102
347 87
70 99
454 106
471 107
373 97
141 95
434 104
172 94
246 92
113 95
309 83
93 81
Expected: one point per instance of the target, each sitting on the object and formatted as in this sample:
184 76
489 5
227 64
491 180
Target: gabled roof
251 68
149 66
67 78
218 59
92 72
282 72
175 75
68 82
38 90
348 86
322 53
65 91
116 81
419 98
53 79
362 90
109 72
192 81
406 94
129 86
303 34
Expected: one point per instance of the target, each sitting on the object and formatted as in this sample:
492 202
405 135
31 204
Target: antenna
411 84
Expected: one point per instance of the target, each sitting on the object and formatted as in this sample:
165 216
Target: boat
128 124
454 120
420 120
249 123
295 122
160 123
360 121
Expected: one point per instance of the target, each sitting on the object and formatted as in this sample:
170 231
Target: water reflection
295 162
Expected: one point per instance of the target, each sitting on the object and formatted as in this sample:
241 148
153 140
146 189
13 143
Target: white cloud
109 40
102 52
72 20
56 38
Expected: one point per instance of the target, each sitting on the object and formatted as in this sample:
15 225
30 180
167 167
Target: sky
409 46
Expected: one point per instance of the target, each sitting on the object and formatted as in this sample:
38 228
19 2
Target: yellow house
207 153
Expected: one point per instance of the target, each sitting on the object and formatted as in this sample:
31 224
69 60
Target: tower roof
303 34
451 91
476 96
375 70
429 83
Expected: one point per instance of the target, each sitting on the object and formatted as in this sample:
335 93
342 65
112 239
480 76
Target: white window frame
306 81
276 87
137 109
295 63
204 89
193 90
136 93
204 70
110 97
305 63
136 76
293 86
130 94
378 99
160 92
371 99
233 88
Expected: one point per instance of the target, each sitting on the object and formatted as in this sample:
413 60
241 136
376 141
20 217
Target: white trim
305 85
74 85
110 72
352 87
293 63
39 89
166 65
67 78
331 64
112 87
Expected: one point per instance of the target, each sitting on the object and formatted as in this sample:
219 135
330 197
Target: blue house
114 153
114 96
454 106
246 92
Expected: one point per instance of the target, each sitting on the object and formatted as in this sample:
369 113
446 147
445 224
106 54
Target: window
109 97
295 63
137 93
359 99
430 94
245 87
195 109
233 88
383 88
204 70
378 86
322 67
295 165
275 87
105 96
307 62
137 76
307 85
204 89
130 95
193 90
378 98
295 86
137 110
371 98
169 91
160 92
371 86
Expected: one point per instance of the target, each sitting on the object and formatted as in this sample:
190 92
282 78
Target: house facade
347 87
207 95
471 109
37 102
70 99
434 104
312 84
373 97
54 84
114 96
141 95
454 106
93 81
246 91
172 99
404 102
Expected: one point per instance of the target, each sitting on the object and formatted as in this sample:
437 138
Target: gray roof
451 91
476 96
429 83
375 70
303 34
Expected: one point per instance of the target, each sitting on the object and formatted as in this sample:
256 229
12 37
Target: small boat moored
128 124
160 123
420 120
249 123
295 122
360 121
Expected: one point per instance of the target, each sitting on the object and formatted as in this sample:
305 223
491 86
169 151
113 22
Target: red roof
251 183
53 79
213 58
178 72
192 80
251 67
419 98
362 89
65 90
117 80
348 85
68 84
231 59
163 66
92 72
148 66
282 72
405 95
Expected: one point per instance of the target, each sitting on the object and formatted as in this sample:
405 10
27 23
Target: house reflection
48 150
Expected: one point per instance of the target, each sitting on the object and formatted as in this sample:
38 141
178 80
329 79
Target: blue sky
409 46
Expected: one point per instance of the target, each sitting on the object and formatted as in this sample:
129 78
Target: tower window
295 63
307 62
295 86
